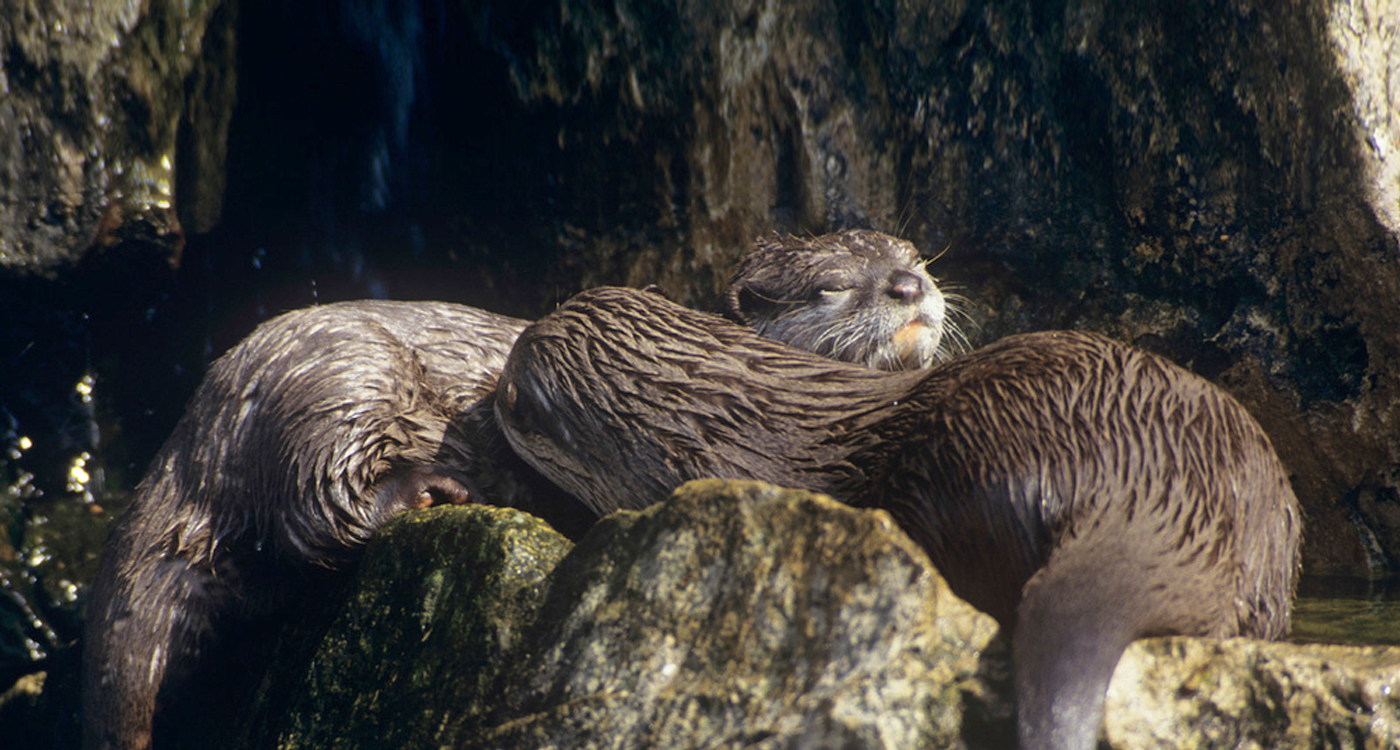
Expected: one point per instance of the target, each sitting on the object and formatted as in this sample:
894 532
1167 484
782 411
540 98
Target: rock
1193 693
738 613
21 697
42 574
439 598
113 122
733 612
1365 41
1217 183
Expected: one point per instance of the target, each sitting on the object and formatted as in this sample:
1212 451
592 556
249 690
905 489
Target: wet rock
738 613
113 121
1192 693
733 612
1217 183
19 703
437 601
43 572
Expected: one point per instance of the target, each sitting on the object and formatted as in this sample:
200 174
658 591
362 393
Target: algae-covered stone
1197 693
438 598
739 613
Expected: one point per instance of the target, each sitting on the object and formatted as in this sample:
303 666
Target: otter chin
1083 492
915 345
859 296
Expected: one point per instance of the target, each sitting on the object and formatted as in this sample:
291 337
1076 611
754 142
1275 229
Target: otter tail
142 635
1077 616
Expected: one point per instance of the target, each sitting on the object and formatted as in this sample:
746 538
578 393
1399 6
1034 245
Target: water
1347 610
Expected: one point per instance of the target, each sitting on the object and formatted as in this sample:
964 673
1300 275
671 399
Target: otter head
858 295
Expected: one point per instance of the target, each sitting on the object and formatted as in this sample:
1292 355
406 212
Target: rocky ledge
736 613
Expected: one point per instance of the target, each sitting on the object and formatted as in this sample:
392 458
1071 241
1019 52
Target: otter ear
748 299
737 300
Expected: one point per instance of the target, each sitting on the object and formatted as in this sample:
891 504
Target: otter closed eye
871 300
835 285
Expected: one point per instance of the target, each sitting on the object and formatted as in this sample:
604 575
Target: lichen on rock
440 597
1198 693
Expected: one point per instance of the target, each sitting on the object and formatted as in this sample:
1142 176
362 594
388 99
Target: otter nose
905 287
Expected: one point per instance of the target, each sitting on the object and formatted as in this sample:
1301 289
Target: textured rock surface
1189 693
740 614
736 613
1366 41
113 120
438 600
1217 183
732 613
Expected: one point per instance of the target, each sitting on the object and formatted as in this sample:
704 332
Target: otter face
859 296
535 407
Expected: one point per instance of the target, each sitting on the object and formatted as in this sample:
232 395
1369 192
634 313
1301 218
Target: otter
324 422
859 295
300 442
1083 492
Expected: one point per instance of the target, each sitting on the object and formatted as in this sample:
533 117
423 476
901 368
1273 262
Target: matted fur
1084 492
299 443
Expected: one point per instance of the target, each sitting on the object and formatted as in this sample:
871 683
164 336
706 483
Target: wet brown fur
858 296
1083 492
303 440
299 443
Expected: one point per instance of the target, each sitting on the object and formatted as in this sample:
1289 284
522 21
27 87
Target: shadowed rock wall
1219 183
113 121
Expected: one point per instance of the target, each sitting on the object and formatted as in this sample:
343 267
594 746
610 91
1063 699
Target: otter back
1083 492
299 443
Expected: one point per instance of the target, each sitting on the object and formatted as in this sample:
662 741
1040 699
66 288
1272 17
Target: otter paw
423 486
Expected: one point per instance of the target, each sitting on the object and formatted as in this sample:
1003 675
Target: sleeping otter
1083 492
305 437
299 443
859 296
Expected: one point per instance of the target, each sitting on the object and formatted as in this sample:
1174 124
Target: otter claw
442 490
424 487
